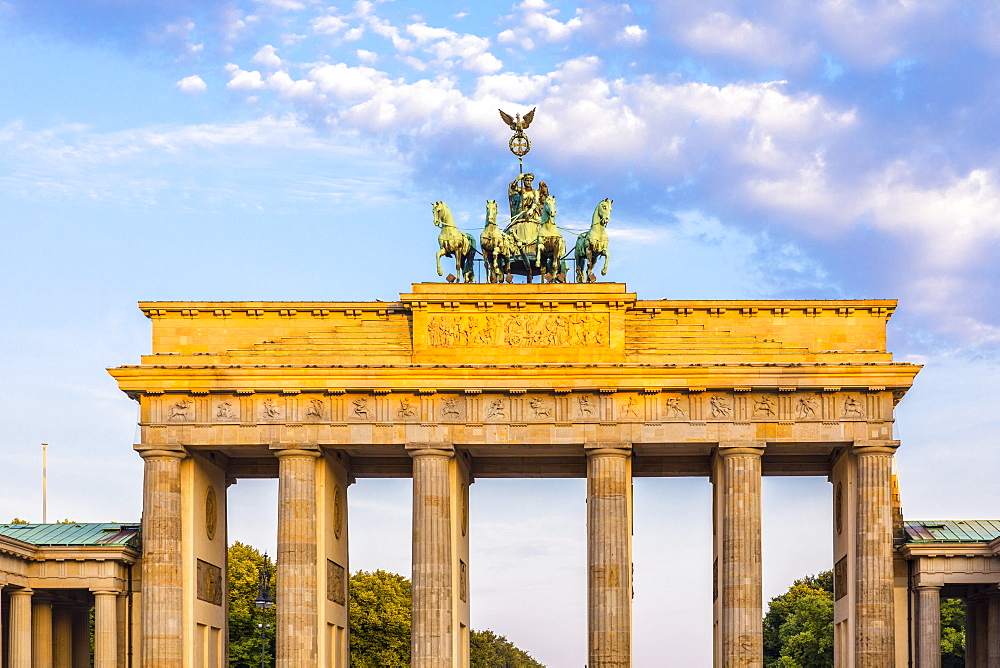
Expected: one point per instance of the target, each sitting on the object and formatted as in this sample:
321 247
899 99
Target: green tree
245 563
18 520
798 626
380 619
952 633
488 650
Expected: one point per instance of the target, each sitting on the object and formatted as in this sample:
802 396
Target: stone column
432 640
20 628
105 629
162 583
62 636
982 631
81 637
296 597
993 630
740 566
929 626
874 642
971 637
609 555
41 631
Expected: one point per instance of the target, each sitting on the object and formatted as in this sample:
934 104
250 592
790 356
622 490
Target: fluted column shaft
20 628
105 629
432 642
874 625
740 566
993 630
971 637
296 598
41 631
162 582
929 626
609 557
62 637
81 637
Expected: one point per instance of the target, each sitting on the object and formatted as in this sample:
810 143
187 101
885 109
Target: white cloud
632 34
267 57
243 80
348 84
286 5
537 21
192 84
328 25
366 56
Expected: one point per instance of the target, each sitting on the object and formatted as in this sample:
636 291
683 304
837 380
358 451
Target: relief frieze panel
533 330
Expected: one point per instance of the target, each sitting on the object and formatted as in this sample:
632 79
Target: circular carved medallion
838 508
211 512
520 144
338 512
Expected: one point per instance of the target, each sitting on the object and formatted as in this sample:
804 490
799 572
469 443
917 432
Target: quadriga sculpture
550 247
497 247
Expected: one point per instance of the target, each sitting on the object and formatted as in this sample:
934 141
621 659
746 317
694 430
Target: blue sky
290 149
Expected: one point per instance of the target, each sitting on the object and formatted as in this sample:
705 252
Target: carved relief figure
674 409
540 407
315 410
406 409
449 408
720 406
853 408
270 410
517 329
628 410
764 406
360 407
496 410
224 411
586 406
806 408
180 411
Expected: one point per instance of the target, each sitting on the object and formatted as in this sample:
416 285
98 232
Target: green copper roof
952 531
114 535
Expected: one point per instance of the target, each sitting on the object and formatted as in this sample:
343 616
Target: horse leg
438 260
604 272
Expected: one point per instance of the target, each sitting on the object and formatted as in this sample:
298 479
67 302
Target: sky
290 150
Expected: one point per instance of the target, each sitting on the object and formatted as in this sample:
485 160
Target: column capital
745 448
875 447
927 586
608 448
105 592
430 449
282 450
149 450
24 591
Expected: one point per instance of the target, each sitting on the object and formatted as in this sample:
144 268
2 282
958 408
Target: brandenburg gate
456 382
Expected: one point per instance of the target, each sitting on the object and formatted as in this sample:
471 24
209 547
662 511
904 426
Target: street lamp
263 602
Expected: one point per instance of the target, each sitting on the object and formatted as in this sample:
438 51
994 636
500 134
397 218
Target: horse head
549 210
602 214
442 214
491 212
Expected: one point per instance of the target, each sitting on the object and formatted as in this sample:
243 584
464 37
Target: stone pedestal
609 555
433 639
105 629
20 628
737 473
162 581
929 626
296 598
62 637
874 642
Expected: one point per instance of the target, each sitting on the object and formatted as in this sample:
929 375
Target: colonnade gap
457 382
